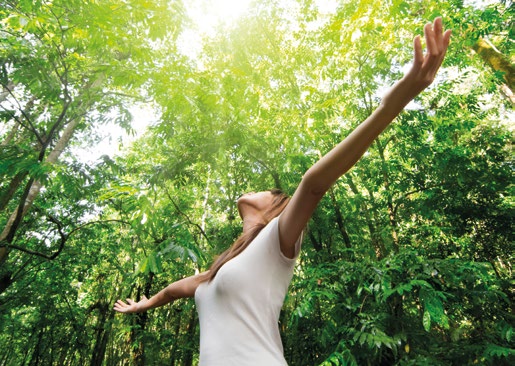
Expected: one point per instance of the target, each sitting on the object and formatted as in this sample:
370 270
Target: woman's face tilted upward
255 203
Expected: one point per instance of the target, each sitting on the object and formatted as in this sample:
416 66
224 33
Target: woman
240 297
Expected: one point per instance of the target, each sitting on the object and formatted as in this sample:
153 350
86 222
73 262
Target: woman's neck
251 221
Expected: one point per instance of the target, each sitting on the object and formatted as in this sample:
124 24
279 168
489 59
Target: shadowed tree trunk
14 184
377 242
339 220
188 355
34 188
177 329
103 329
386 182
138 353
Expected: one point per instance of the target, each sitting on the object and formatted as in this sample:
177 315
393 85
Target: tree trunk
377 242
13 187
99 348
175 345
20 176
10 136
138 354
316 244
339 220
391 211
188 357
15 128
6 90
36 354
35 187
497 61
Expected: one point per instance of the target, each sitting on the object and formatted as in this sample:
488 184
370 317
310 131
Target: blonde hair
278 204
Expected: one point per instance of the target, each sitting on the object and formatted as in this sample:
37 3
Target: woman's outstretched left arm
176 290
321 176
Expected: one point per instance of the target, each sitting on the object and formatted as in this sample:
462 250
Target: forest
128 129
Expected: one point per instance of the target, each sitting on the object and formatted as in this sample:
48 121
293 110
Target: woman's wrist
142 305
403 92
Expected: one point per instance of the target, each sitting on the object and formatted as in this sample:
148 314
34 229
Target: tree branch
272 172
202 232
62 234
24 114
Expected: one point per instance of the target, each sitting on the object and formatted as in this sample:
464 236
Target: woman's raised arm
319 178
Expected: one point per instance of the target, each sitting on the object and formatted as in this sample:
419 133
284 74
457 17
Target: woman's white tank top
239 309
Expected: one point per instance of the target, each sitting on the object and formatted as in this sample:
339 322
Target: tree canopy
408 259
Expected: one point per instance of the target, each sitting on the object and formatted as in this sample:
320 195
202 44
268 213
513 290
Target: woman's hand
425 66
131 306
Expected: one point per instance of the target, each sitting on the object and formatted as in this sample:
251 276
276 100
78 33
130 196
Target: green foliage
389 310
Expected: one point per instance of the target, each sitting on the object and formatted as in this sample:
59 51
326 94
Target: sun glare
207 14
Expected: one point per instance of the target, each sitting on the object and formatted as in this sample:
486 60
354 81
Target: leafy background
407 261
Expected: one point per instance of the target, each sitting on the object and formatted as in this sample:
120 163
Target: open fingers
438 34
426 64
120 306
418 54
436 42
429 34
446 40
123 307
444 44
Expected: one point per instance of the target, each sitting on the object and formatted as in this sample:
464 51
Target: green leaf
426 320
493 350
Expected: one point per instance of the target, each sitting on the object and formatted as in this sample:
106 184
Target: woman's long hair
278 204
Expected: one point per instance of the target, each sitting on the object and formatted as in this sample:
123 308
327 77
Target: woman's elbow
314 183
